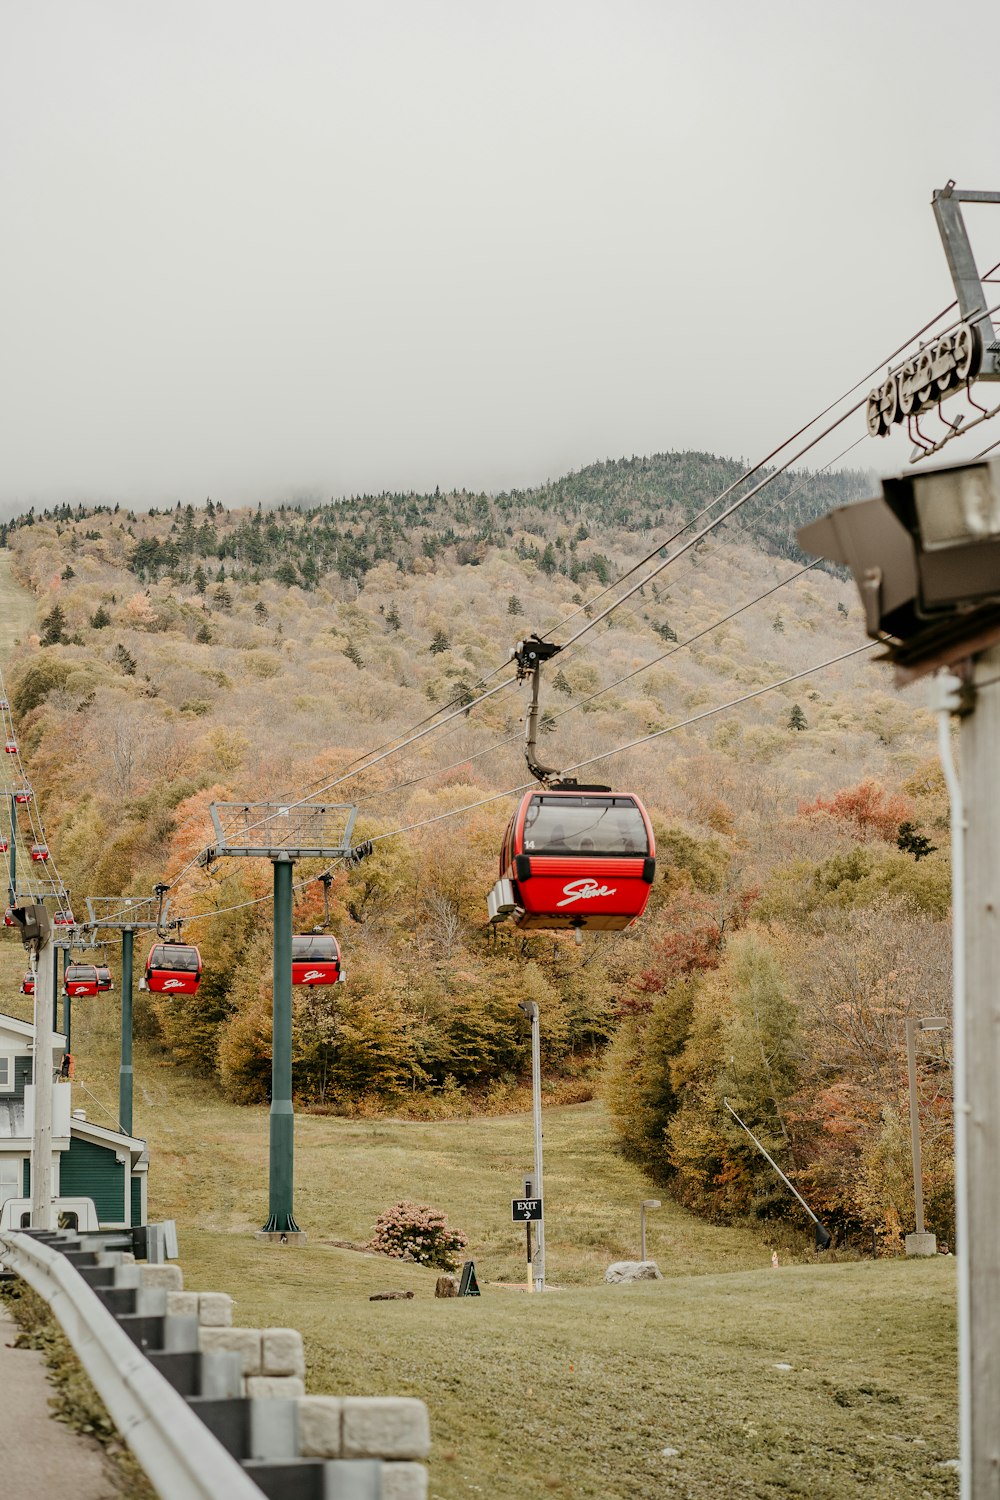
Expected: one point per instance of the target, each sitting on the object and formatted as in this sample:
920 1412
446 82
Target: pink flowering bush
413 1231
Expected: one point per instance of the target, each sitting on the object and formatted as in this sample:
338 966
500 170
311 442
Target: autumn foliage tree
868 810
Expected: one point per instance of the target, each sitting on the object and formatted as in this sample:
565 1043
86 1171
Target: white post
536 1104
911 1074
41 1077
980 747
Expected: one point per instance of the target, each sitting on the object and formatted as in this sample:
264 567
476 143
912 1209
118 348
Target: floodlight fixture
926 559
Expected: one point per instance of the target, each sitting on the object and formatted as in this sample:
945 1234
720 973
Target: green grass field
581 1392
18 609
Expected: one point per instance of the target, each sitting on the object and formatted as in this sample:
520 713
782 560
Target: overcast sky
253 250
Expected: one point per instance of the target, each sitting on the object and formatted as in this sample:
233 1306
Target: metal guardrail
182 1458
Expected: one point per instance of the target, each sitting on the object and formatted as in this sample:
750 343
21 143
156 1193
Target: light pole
530 1009
646 1203
918 1243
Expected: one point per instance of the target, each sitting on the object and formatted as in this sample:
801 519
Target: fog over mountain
258 253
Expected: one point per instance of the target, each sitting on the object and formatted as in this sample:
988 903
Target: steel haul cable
456 812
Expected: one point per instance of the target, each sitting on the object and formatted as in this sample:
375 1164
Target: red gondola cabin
573 858
28 984
63 918
173 969
316 959
103 978
24 795
40 852
81 979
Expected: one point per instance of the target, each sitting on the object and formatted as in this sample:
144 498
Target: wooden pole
980 755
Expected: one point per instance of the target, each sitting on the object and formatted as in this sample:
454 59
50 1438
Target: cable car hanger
529 656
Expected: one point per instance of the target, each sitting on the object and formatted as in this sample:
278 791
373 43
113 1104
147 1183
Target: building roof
13 1031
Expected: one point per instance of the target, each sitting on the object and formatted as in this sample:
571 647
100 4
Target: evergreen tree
203 635
100 619
439 643
260 610
353 654
54 626
68 572
123 656
560 683
223 598
910 841
797 719
392 618
514 605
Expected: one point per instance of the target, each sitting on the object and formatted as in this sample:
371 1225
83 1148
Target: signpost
534 1187
524 1209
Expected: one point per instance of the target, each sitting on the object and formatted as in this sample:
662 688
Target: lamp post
918 1243
646 1203
926 559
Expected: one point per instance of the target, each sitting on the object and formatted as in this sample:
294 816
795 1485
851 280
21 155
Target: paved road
42 1459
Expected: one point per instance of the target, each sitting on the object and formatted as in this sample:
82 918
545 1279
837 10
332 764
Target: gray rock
632 1270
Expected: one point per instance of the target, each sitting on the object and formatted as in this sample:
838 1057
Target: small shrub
413 1231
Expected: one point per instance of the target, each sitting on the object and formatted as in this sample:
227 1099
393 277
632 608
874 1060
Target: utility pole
530 1009
36 928
926 559
918 1243
979 741
281 833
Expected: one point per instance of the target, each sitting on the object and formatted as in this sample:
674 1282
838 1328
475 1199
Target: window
175 958
584 825
10 1178
307 946
6 1074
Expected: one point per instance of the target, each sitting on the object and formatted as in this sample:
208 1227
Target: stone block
319 1426
385 1427
246 1342
182 1304
404 1481
632 1270
215 1310
170 1278
920 1244
277 1387
282 1352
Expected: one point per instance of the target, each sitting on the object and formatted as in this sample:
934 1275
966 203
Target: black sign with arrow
522 1210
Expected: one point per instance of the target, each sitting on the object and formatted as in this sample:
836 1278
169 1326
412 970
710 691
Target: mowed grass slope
831 1382
580 1392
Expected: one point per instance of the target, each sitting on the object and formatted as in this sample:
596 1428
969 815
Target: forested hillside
205 654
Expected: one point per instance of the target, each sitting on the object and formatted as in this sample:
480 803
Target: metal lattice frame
115 913
270 830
